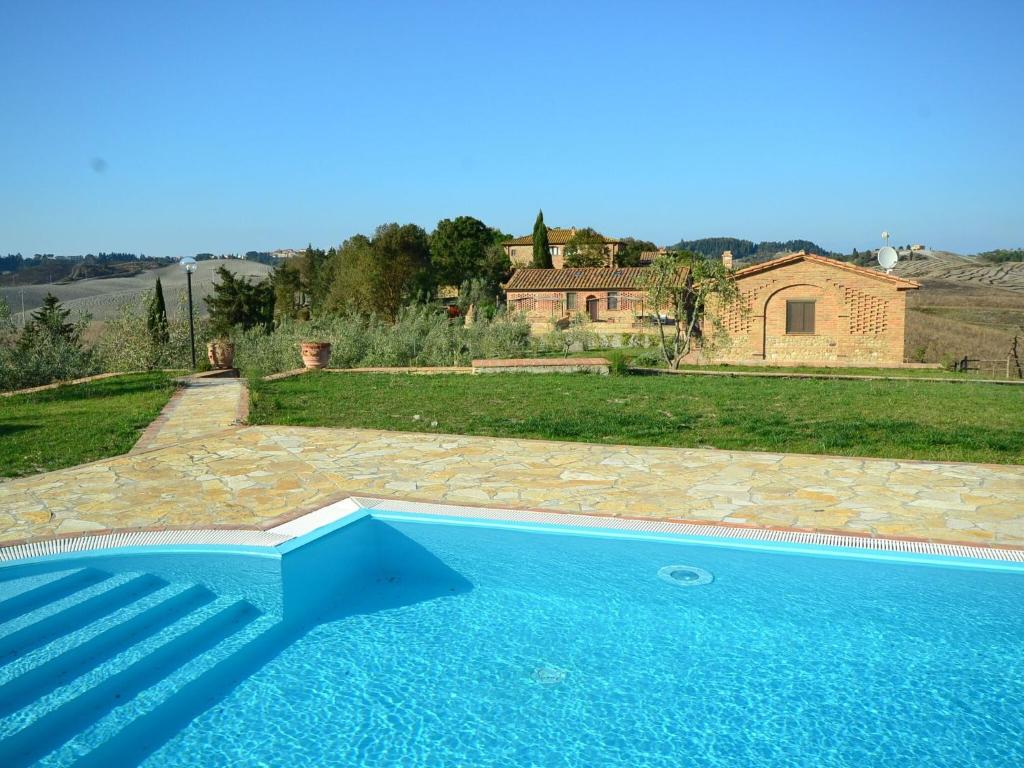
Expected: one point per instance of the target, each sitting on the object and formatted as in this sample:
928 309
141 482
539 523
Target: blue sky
171 128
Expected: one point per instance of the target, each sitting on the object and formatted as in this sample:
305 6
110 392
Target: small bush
421 336
127 345
46 350
649 358
619 363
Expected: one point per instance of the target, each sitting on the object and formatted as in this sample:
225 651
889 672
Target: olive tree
691 292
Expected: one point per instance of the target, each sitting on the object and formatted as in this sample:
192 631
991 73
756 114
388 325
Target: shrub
420 336
619 363
651 357
48 349
126 343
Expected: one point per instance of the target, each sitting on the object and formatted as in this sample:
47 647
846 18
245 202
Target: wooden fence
1006 368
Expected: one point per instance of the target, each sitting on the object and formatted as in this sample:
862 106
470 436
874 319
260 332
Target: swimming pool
394 639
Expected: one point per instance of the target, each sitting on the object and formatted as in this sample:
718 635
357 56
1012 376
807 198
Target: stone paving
200 407
260 476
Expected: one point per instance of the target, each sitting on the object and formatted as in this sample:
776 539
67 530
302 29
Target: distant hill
951 267
749 251
38 272
101 297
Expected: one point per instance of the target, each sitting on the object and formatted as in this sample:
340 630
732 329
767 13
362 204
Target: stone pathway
200 407
260 476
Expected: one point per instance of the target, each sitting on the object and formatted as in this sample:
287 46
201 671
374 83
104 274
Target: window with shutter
799 317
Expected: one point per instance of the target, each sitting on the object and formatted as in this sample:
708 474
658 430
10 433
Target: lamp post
190 266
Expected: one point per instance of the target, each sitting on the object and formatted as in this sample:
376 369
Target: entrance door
592 308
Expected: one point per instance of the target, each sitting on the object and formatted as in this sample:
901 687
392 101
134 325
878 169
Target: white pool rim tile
332 513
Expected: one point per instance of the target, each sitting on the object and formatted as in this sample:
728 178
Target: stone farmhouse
805 309
520 249
612 296
797 309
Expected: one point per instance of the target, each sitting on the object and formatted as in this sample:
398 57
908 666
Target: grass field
75 424
630 354
947 320
899 373
892 419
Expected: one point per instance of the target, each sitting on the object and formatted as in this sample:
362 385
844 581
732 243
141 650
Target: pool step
57 646
108 691
76 616
31 599
164 710
101 647
121 659
13 665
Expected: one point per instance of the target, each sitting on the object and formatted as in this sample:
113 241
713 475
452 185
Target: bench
544 365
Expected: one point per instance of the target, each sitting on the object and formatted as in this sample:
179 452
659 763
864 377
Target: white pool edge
331 514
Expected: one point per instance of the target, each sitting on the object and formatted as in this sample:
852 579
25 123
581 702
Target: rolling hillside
102 297
964 308
951 267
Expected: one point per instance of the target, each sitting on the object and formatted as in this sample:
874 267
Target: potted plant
315 354
221 353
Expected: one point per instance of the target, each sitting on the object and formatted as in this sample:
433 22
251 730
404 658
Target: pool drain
685 575
548 675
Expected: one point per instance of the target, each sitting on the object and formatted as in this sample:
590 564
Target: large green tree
629 252
465 249
239 303
156 316
586 248
541 249
381 274
457 249
315 268
291 294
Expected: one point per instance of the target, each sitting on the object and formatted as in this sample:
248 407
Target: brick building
520 250
807 309
613 298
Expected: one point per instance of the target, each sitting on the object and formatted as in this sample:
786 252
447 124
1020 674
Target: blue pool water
404 642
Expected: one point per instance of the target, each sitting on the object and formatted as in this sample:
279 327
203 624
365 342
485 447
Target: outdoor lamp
190 266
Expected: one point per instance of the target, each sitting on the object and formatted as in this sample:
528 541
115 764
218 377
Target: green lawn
903 373
78 423
631 353
895 419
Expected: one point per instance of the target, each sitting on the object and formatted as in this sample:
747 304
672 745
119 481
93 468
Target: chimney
727 259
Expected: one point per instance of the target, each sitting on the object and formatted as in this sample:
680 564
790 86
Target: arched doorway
593 308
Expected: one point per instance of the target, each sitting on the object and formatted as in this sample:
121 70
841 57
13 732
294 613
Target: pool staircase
91 660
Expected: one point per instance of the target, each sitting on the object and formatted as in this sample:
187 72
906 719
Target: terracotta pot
315 354
221 354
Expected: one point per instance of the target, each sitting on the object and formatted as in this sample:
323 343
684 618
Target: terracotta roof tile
556 236
647 257
572 279
792 258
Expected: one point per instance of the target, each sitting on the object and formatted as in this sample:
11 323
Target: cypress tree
156 321
541 251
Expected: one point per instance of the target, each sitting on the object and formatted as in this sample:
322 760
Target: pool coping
305 522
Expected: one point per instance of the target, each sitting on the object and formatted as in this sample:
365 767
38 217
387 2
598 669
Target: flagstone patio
259 476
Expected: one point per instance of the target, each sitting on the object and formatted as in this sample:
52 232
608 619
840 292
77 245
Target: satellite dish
887 258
